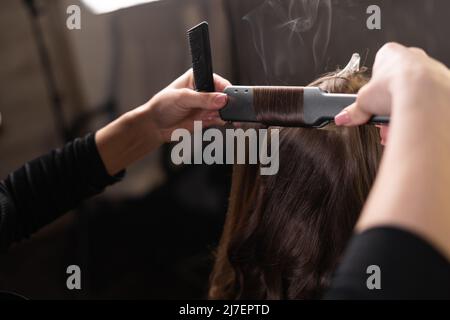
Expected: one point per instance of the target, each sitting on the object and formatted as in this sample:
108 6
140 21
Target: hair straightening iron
309 106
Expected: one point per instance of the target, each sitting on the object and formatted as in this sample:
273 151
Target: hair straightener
313 106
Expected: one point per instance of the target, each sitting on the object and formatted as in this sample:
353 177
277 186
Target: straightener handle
379 120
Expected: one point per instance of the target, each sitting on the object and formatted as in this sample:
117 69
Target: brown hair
267 100
284 234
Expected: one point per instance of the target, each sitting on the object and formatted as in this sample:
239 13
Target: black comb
201 57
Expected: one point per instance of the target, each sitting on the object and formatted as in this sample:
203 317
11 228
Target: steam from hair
299 30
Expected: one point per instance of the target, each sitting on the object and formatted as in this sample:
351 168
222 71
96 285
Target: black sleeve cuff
100 177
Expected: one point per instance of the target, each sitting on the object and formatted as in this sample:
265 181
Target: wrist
141 129
144 117
127 139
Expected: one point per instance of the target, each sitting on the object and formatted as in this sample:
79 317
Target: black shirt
47 187
409 268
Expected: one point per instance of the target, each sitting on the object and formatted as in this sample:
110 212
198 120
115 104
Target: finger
184 81
190 99
213 117
390 48
209 114
352 116
202 115
187 81
205 115
213 122
208 118
418 51
220 83
386 53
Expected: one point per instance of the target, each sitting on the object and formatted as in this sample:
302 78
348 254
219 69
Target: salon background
153 235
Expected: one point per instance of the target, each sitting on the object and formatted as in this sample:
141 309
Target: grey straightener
318 107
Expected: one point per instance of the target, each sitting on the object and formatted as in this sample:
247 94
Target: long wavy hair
284 234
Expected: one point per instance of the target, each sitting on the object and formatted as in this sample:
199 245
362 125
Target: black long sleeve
49 186
410 268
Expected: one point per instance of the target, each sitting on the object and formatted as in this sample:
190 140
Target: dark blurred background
153 235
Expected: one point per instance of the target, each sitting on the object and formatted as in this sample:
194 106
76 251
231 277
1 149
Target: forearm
127 139
145 128
412 186
49 186
404 227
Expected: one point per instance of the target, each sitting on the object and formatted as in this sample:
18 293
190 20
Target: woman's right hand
412 188
402 73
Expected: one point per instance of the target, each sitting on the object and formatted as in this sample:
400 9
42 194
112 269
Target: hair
284 234
268 100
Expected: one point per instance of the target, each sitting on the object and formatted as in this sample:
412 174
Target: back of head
284 234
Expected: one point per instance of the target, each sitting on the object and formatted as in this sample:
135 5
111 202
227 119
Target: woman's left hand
142 130
179 105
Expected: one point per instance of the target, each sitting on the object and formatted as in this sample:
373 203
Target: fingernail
220 100
342 118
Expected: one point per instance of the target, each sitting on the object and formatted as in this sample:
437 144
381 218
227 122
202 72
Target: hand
411 188
406 72
142 130
178 106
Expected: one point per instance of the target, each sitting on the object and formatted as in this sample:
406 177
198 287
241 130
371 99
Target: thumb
190 99
353 115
